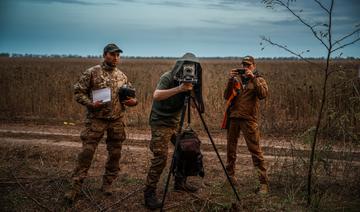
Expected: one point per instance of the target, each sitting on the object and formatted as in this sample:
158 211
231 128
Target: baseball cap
249 60
111 47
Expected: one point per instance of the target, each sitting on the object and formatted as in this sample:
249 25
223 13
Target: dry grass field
41 90
38 152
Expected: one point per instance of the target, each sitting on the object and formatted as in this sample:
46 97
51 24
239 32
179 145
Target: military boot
181 185
151 201
107 189
263 189
72 193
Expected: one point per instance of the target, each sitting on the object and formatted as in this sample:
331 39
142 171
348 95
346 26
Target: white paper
103 95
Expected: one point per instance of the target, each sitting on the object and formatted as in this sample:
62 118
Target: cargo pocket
156 140
160 139
251 127
116 132
94 130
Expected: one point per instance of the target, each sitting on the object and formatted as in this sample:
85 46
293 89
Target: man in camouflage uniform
101 117
243 115
168 101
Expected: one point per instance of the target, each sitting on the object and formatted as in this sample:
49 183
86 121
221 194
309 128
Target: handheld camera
241 71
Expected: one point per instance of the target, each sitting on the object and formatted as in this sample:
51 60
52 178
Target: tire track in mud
142 146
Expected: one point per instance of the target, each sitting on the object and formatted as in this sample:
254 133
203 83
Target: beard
111 64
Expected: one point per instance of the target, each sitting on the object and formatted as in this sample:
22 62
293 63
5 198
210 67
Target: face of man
251 67
112 58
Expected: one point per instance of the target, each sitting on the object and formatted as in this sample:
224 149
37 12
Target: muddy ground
35 172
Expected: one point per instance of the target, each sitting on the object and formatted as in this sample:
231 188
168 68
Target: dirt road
37 161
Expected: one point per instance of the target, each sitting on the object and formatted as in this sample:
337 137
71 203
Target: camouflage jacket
97 77
246 104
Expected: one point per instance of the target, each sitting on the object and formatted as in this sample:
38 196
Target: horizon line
30 55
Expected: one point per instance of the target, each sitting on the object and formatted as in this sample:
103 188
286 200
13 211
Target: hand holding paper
99 98
102 95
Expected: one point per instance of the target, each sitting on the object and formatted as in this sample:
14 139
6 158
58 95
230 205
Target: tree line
17 55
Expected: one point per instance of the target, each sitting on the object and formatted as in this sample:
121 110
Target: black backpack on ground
188 157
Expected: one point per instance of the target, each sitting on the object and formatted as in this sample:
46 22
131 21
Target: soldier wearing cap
243 115
102 116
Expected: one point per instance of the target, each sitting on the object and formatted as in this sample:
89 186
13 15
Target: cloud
78 2
169 26
170 3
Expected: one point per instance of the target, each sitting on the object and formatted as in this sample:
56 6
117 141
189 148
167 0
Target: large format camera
188 73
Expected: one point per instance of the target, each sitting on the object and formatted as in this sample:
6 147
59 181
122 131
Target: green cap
111 47
248 60
189 57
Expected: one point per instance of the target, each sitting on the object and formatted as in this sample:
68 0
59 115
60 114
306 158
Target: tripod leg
216 151
187 99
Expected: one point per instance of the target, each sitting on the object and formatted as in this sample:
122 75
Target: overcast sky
166 28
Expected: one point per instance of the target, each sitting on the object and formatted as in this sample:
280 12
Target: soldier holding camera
102 116
168 102
244 90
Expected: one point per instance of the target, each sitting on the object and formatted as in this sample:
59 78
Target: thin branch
356 90
347 44
303 22
28 195
349 134
88 195
320 114
346 36
201 199
332 71
322 6
288 50
316 25
204 205
120 201
175 205
329 32
333 91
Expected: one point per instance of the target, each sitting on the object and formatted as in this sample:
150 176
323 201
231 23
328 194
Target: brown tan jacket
246 104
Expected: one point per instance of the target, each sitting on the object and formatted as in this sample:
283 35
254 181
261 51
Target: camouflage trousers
252 136
159 144
91 136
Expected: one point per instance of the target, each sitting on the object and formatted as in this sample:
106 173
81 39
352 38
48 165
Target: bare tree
323 33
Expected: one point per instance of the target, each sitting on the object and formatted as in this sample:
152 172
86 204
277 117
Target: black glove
126 92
